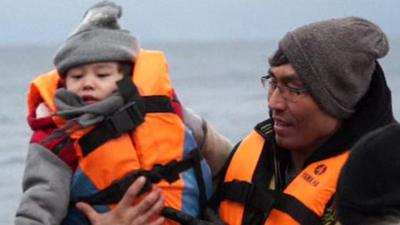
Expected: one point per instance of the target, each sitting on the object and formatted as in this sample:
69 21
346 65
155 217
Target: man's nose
275 100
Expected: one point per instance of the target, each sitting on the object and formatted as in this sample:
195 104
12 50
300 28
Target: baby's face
93 82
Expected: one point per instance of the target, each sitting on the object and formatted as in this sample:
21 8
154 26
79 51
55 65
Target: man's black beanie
369 184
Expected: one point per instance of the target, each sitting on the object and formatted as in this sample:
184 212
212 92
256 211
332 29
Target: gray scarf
72 108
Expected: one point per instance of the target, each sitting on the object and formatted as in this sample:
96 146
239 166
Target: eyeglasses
290 94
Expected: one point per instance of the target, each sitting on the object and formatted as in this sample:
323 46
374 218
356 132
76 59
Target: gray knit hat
335 60
98 38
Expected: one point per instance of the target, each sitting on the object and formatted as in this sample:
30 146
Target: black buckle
168 172
171 173
124 185
125 119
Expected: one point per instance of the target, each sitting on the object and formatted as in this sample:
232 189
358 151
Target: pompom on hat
335 60
98 38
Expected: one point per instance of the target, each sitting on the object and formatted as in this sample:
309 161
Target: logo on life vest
310 179
320 169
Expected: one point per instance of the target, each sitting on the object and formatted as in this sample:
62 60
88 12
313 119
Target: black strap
261 178
186 219
200 180
297 210
169 172
157 104
259 197
178 216
128 90
114 193
124 120
218 180
145 104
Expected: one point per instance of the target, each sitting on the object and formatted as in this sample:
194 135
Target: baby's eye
76 76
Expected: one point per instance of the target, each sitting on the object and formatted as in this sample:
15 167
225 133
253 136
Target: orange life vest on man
146 137
303 201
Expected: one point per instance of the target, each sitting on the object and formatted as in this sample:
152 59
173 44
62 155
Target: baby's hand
42 111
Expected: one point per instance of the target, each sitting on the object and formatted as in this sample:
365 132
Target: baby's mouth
88 99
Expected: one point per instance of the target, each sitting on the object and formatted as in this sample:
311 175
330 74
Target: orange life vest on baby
158 139
303 201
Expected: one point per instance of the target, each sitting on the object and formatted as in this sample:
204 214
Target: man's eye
273 82
296 91
294 85
102 75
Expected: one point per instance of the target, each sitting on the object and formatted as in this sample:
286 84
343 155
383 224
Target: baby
105 116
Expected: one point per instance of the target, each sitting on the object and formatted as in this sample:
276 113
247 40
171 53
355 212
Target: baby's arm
46 181
46 188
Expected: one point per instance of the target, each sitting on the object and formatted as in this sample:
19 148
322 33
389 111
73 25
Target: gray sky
50 21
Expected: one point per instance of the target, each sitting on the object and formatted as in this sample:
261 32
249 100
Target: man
369 189
325 90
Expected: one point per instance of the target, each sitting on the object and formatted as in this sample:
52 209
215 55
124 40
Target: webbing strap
127 118
262 199
200 180
259 197
186 219
124 120
169 172
128 90
178 216
297 210
216 197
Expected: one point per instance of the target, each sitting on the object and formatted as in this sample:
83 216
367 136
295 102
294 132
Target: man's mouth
281 126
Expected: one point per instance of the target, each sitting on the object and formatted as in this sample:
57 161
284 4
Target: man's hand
144 212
